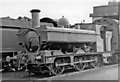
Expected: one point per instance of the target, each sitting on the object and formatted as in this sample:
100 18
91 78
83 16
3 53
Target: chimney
35 18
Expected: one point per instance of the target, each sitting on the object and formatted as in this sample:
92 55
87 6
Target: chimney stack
35 18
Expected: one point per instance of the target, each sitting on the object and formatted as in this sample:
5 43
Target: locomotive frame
44 60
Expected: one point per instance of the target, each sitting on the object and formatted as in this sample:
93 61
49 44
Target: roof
9 22
19 23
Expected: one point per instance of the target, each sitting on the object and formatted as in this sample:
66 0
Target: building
108 16
111 10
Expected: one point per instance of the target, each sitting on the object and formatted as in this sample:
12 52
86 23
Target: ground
102 73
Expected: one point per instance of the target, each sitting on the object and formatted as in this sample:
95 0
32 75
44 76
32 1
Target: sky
74 10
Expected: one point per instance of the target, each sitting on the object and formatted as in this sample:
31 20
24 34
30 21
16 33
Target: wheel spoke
96 62
56 70
79 66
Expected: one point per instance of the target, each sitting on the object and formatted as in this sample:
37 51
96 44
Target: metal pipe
35 18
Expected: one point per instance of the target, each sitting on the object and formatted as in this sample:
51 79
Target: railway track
22 75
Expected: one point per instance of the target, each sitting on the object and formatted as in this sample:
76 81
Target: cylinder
35 18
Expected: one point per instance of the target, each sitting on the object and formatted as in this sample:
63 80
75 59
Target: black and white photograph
60 40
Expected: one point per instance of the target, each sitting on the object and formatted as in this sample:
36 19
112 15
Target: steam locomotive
55 49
